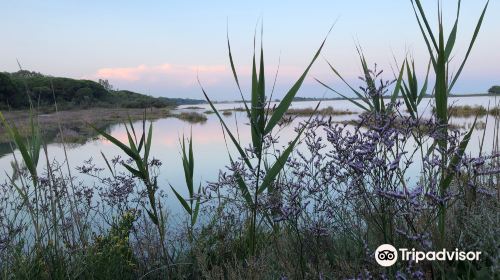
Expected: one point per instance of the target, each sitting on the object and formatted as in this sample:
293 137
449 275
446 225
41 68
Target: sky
161 47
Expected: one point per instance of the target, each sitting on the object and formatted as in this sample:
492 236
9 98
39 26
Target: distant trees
105 83
9 93
494 89
16 89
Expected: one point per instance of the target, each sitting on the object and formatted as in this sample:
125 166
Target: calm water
208 144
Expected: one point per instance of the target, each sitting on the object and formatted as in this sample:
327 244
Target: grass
227 113
238 109
466 111
75 122
191 117
193 108
273 212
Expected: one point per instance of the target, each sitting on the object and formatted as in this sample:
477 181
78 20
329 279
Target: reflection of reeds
354 184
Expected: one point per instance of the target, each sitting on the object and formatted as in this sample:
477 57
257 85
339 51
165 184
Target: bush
494 89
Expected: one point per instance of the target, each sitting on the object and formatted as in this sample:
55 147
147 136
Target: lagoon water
211 154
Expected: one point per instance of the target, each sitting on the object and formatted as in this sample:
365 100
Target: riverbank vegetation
20 88
494 90
314 207
467 111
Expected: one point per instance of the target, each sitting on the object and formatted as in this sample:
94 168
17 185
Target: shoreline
74 123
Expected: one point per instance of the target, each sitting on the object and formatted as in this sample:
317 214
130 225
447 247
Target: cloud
178 75
173 80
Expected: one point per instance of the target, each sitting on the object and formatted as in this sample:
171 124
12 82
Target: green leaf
429 49
134 171
350 99
395 93
153 218
441 93
107 163
147 146
191 157
476 32
277 166
424 18
376 102
424 87
257 109
445 183
281 161
196 211
235 75
409 106
453 35
35 141
187 166
235 142
287 100
261 91
16 137
117 143
182 201
357 93
242 186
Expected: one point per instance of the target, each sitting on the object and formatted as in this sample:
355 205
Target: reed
276 211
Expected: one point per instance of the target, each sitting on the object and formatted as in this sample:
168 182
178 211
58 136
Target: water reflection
211 154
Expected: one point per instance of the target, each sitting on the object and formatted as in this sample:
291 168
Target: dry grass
74 123
191 117
467 111
193 108
328 111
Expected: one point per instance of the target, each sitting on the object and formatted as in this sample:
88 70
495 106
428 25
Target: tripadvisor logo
386 255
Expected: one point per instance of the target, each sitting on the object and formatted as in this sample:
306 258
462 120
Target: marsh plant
315 206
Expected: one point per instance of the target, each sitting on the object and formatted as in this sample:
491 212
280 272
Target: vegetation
471 111
494 89
72 125
227 113
191 117
275 211
328 111
17 89
193 108
467 111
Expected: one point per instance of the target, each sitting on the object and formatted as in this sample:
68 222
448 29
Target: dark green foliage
111 256
42 90
16 89
130 99
494 89
9 93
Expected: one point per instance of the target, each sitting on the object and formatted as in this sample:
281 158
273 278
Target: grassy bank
472 111
316 206
74 123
